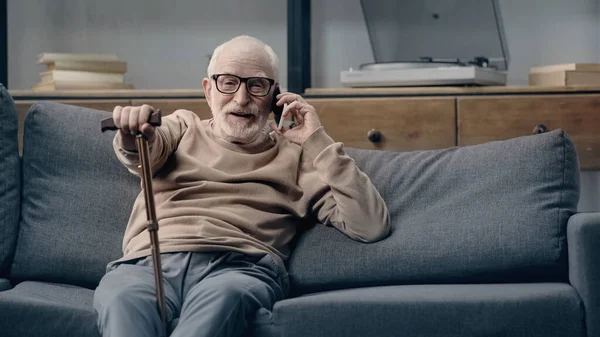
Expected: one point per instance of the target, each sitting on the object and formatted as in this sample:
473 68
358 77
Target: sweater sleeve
165 142
347 199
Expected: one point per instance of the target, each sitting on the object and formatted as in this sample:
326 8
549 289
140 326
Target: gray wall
166 42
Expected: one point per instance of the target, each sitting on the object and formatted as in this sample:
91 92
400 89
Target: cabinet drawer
484 119
404 124
168 106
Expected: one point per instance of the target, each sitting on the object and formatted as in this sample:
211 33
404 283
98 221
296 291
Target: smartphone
277 110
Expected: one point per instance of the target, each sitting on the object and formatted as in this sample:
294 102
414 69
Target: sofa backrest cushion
77 197
486 213
10 180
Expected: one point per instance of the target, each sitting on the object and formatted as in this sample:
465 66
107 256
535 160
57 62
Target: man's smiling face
239 117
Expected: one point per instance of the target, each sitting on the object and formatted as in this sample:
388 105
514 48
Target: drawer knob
374 136
540 128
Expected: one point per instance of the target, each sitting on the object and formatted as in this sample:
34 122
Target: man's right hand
130 120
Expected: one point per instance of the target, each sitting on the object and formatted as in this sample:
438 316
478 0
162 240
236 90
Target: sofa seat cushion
10 180
77 197
527 310
490 213
4 284
46 309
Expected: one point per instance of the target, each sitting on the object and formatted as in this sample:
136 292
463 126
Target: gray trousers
206 294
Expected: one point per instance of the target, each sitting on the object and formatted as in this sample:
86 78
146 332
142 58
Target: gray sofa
486 239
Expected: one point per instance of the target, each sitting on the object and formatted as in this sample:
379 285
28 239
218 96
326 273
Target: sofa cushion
583 236
10 183
77 197
526 310
492 212
45 309
4 284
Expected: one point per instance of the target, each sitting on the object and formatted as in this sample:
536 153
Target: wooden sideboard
401 119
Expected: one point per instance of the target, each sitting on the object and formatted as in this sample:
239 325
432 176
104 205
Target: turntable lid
445 30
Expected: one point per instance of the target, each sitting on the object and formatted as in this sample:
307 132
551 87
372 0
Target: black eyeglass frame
243 80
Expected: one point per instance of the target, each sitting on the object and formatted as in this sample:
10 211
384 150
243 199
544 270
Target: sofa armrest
4 284
583 239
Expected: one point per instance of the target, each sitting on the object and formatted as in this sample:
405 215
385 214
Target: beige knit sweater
212 195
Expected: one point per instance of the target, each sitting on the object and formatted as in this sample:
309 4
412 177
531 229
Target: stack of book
568 74
68 71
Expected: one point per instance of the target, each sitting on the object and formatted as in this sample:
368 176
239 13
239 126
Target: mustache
234 107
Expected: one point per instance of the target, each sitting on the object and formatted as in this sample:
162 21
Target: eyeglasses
256 86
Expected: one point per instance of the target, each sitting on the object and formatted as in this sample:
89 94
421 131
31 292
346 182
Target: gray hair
273 58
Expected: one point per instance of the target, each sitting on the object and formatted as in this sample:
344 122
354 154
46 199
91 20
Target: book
79 71
45 58
565 78
51 86
94 66
80 76
565 67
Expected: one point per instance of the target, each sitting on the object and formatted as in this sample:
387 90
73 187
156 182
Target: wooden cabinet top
449 91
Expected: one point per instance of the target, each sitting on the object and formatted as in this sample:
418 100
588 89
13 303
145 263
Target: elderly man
230 194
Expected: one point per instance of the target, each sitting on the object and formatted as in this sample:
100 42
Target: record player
432 43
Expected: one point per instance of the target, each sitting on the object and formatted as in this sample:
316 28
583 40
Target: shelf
445 91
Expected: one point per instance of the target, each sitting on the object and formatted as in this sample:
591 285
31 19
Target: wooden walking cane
151 223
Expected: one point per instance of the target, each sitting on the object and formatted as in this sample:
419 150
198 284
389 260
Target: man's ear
207 85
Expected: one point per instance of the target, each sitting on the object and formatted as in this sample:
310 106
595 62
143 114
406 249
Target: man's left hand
305 116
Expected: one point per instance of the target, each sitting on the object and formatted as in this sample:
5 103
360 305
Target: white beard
240 131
